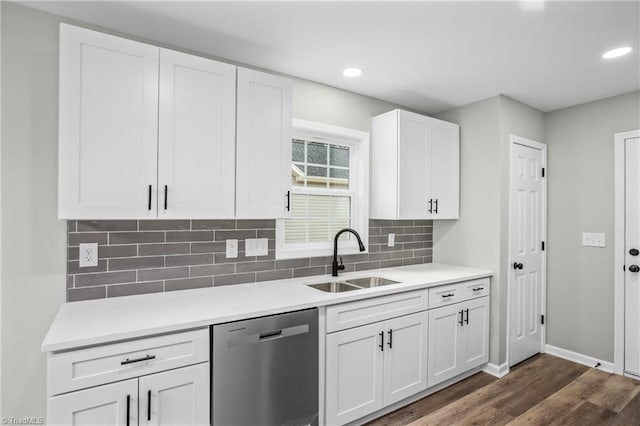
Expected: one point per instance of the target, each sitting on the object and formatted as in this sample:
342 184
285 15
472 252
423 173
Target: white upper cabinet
263 171
151 133
415 167
196 137
108 124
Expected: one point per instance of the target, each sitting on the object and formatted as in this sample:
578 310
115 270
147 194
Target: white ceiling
430 56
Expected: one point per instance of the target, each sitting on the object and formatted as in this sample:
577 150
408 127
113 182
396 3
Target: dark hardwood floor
544 390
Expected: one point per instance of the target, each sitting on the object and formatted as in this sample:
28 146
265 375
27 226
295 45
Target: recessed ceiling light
352 72
620 51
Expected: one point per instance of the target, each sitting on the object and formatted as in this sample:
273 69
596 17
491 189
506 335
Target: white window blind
321 201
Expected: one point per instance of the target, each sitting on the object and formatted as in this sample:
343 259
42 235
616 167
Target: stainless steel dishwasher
265 371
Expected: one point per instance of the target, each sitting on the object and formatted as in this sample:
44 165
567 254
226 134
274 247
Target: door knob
634 268
517 265
634 252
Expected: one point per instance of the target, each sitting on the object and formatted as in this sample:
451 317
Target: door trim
517 140
618 250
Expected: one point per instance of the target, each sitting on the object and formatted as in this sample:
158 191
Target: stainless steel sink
370 282
334 287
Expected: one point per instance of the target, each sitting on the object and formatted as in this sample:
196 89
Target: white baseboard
589 361
498 371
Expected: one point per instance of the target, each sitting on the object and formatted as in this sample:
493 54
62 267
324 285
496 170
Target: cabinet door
102 405
444 164
445 344
405 357
263 163
176 397
196 137
354 365
414 175
475 333
108 123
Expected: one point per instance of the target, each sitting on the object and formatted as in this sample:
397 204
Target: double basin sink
352 284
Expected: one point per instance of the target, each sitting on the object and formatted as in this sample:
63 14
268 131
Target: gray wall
479 237
473 239
580 288
33 240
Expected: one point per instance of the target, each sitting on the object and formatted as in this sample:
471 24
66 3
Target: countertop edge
61 345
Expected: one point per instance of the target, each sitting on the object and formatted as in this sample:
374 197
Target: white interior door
526 231
196 139
632 259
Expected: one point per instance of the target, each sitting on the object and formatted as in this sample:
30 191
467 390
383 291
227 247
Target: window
330 191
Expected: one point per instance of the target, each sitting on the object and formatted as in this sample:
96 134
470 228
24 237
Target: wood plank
544 390
564 401
466 408
534 383
630 415
587 414
616 393
435 401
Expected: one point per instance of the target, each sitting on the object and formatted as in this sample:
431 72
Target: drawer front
476 288
445 295
68 371
348 315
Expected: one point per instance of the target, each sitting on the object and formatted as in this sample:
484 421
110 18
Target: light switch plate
262 246
88 255
250 247
232 249
593 239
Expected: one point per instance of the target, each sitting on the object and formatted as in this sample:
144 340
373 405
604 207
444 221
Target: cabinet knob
634 252
634 268
518 265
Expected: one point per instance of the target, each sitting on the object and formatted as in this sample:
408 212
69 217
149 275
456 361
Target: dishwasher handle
267 336
270 334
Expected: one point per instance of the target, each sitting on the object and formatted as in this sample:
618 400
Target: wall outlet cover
88 255
232 248
391 240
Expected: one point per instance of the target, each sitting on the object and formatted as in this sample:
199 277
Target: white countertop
101 321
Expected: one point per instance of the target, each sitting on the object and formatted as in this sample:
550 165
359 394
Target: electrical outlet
88 255
391 240
262 246
232 249
593 239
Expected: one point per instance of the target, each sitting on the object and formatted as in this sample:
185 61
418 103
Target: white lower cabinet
175 397
372 366
158 380
115 404
458 339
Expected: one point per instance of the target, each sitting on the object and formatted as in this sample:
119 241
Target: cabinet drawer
68 371
445 295
348 315
476 288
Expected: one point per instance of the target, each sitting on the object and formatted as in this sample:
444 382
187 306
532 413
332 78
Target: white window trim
358 143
